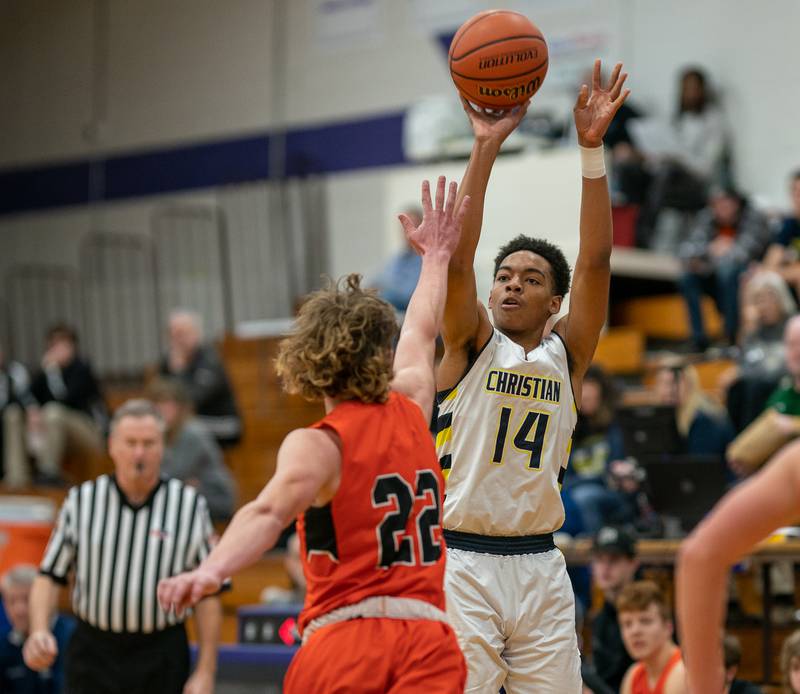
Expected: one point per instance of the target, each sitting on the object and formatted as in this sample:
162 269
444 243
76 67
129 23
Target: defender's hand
595 110
440 228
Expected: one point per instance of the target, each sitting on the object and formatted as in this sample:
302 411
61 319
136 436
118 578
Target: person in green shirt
786 398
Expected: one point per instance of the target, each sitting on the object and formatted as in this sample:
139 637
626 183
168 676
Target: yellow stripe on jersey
566 462
444 436
451 395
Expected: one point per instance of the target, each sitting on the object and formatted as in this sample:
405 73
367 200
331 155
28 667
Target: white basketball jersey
503 436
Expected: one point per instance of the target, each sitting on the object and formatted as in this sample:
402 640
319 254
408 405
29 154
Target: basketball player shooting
507 409
365 484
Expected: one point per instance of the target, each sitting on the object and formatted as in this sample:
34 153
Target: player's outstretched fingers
440 193
596 75
451 199
620 100
426 197
612 82
616 89
583 98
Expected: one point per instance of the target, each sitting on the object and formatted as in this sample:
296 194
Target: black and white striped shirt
121 552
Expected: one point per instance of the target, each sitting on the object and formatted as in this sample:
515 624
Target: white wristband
593 163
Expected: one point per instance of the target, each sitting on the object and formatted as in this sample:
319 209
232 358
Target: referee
121 534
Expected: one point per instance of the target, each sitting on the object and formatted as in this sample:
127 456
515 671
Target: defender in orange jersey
365 485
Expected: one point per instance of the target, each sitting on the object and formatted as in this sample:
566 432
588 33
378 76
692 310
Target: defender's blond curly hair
341 345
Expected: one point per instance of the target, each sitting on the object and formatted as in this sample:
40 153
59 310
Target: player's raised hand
187 589
440 228
595 109
494 127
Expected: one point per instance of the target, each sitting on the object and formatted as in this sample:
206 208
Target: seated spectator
702 424
783 256
15 398
15 676
682 174
786 397
596 442
727 236
294 570
733 659
200 369
790 664
190 452
614 565
647 632
397 279
73 414
780 420
767 305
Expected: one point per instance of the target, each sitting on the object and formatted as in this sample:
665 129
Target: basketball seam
470 23
492 43
501 79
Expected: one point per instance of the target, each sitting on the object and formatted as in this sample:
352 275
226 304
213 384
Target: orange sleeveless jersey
639 684
380 534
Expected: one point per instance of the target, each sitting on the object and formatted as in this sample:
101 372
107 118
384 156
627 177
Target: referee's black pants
102 662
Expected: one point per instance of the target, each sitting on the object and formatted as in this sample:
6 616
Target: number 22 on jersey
395 545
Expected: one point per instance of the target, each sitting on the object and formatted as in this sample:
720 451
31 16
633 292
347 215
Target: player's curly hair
341 345
551 253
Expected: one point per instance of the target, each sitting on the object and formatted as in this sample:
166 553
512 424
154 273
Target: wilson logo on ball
512 93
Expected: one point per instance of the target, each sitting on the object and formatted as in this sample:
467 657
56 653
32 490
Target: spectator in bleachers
647 631
790 664
72 413
199 367
783 255
780 420
702 423
596 443
15 676
15 399
767 305
727 236
786 398
397 279
614 565
692 158
733 659
190 452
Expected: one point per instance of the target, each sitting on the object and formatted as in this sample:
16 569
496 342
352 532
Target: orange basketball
498 59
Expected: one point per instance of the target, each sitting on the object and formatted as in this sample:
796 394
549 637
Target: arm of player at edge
466 322
768 500
436 239
594 110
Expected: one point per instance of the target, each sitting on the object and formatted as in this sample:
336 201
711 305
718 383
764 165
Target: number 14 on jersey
529 437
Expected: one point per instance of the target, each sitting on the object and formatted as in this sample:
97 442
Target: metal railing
38 296
192 264
119 290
